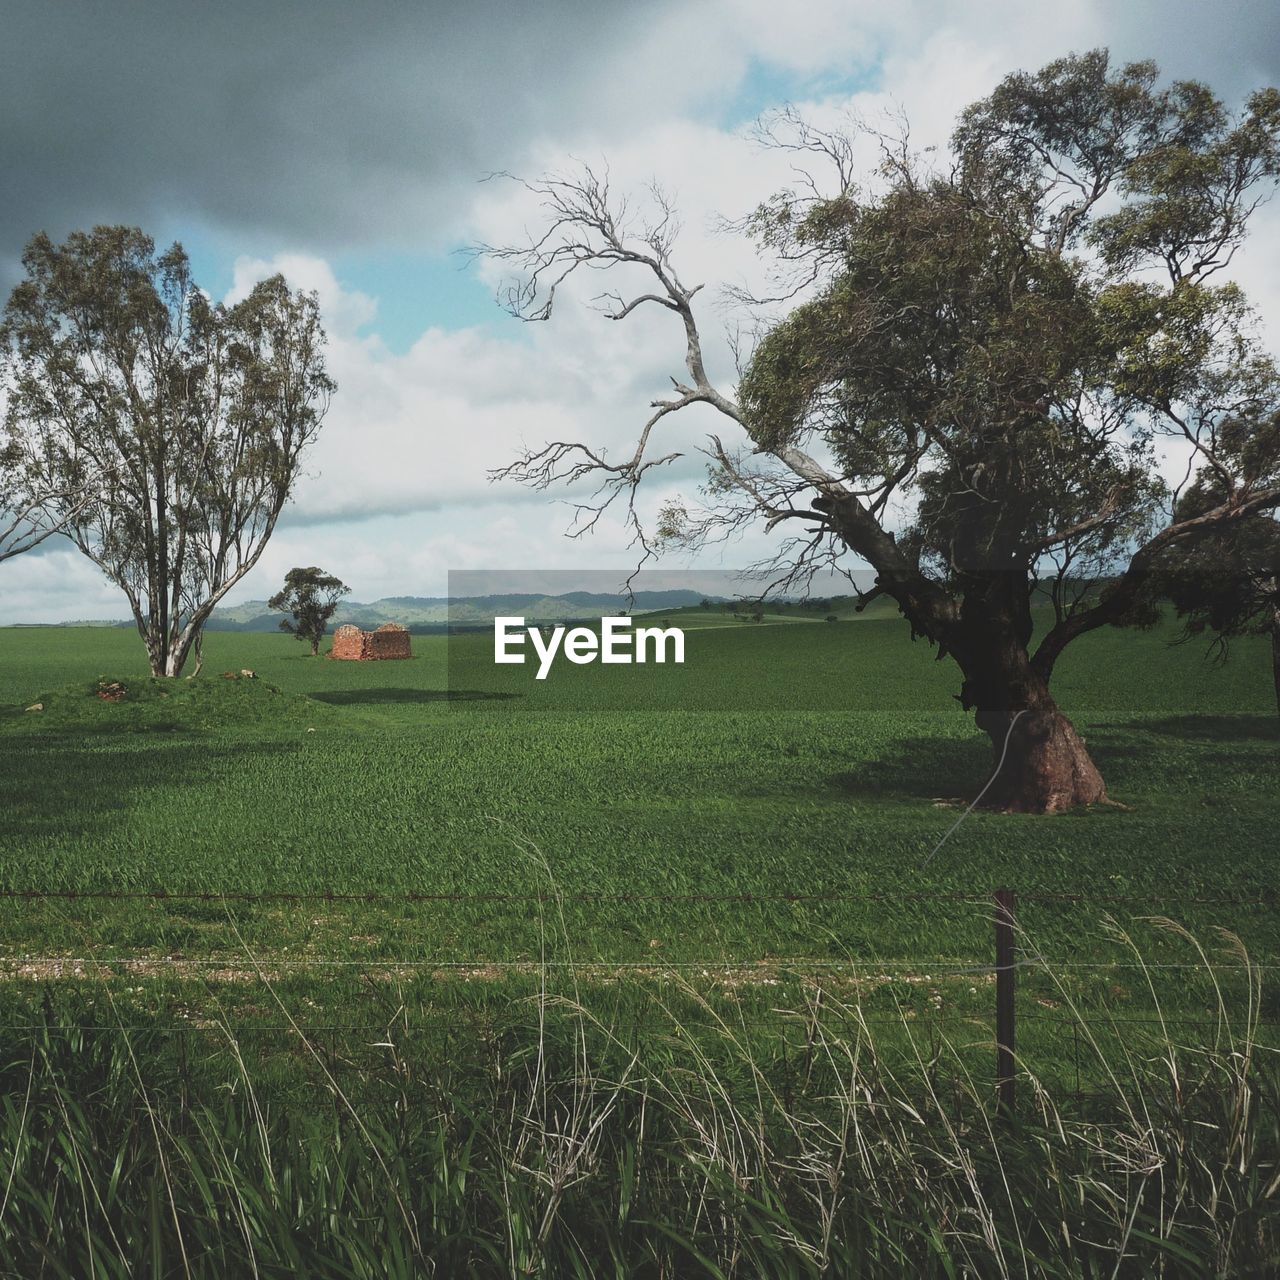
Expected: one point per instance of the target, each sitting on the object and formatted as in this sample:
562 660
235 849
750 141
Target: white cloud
346 312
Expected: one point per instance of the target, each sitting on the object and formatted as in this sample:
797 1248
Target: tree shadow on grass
366 697
957 769
1216 728
66 787
921 768
1155 753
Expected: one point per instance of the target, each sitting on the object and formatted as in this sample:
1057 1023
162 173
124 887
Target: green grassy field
680 923
822 762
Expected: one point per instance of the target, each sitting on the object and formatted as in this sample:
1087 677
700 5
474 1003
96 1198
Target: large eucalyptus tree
983 357
178 424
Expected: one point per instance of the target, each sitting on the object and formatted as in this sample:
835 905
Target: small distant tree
831 617
310 597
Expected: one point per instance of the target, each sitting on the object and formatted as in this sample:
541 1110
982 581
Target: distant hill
79 622
437 612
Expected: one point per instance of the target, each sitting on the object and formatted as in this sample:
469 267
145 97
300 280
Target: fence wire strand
414 896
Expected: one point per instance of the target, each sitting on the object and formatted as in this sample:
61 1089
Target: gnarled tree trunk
1046 767
1041 764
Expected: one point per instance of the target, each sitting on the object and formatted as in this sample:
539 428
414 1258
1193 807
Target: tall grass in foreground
563 1144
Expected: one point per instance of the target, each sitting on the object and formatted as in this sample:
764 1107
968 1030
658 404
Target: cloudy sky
345 145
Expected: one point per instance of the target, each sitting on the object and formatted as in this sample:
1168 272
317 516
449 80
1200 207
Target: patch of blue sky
414 291
768 86
420 291
212 256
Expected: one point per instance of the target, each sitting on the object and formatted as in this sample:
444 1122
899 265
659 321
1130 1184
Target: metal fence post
1005 976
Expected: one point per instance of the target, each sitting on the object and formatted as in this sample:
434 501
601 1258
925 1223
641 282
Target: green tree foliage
310 597
1227 584
20 526
32 506
166 431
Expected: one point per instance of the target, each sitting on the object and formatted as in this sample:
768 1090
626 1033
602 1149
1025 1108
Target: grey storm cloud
332 122
1234 47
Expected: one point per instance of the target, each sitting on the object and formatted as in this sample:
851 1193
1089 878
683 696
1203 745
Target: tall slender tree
980 359
180 423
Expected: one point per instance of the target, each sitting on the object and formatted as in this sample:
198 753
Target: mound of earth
138 704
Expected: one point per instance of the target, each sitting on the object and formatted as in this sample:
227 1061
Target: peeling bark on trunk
176 659
198 650
158 658
169 660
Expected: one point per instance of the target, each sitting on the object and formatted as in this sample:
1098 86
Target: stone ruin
390 640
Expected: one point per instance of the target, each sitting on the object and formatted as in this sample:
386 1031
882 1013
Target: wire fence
411 896
929 966
929 969
1013 955
435 1025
